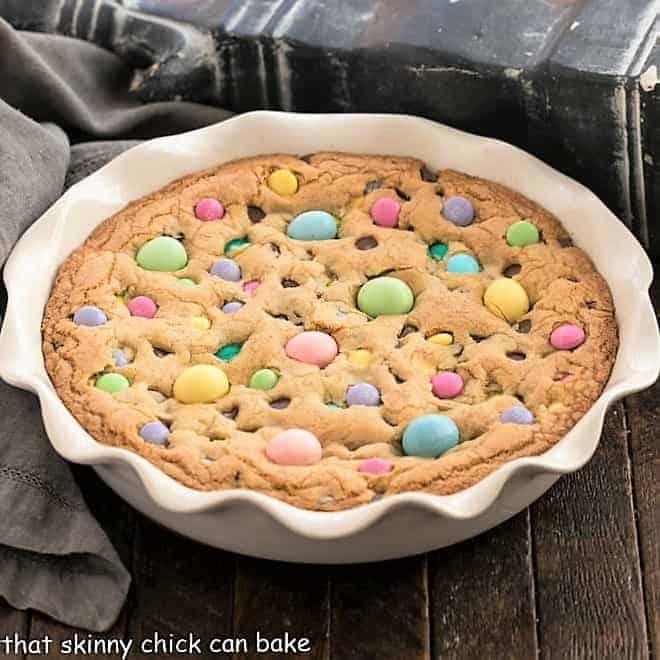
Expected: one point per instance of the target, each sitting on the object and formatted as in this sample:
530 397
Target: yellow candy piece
361 357
442 338
556 406
424 365
202 383
200 322
506 299
283 182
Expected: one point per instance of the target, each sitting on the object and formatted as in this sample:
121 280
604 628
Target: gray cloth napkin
54 557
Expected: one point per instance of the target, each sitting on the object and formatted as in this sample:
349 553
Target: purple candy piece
155 432
362 394
516 415
227 269
120 358
89 315
231 307
458 210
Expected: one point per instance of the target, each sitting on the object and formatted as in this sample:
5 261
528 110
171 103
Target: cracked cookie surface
286 286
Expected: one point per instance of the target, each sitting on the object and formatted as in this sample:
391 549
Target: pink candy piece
294 447
567 336
375 466
385 212
312 347
251 286
209 208
447 384
142 306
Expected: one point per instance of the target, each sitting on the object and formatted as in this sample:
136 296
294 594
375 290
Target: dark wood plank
13 622
380 610
179 587
275 598
588 587
482 595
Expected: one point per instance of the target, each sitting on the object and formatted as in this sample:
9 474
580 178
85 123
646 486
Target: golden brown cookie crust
208 450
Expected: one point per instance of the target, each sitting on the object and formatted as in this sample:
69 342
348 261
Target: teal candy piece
462 263
313 226
162 253
438 251
228 351
332 404
236 243
385 295
430 436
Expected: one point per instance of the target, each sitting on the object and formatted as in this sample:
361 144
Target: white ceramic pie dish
256 524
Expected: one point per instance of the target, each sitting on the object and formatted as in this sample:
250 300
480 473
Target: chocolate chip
512 270
524 326
565 241
516 355
428 175
366 243
275 248
255 214
401 194
280 403
371 186
407 330
591 304
231 414
477 338
161 352
289 284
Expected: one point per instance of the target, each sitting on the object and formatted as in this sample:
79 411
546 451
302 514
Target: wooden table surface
577 575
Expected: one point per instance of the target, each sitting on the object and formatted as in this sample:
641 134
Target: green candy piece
186 281
162 253
385 295
438 251
112 383
264 379
235 243
228 352
522 233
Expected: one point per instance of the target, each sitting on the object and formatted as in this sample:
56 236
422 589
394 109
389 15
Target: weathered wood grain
380 610
482 595
588 582
13 622
274 597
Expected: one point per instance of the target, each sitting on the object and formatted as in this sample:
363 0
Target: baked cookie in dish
329 329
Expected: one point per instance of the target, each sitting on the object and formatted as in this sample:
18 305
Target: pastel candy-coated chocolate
385 212
430 436
235 243
162 253
186 281
201 383
360 357
209 208
119 358
283 182
447 384
264 379
458 210
231 307
507 299
251 286
442 339
462 263
112 383
438 251
516 415
200 322
226 269
362 394
312 347
228 351
294 447
155 433
521 233
312 226
89 315
567 336
375 466
385 295
142 306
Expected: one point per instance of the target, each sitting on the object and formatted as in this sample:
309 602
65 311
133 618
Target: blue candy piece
462 263
458 210
313 226
155 432
430 436
89 315
516 415
227 269
120 358
362 394
231 307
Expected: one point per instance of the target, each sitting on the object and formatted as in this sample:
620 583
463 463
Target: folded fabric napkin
54 557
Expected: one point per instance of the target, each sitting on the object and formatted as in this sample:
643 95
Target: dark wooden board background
577 575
